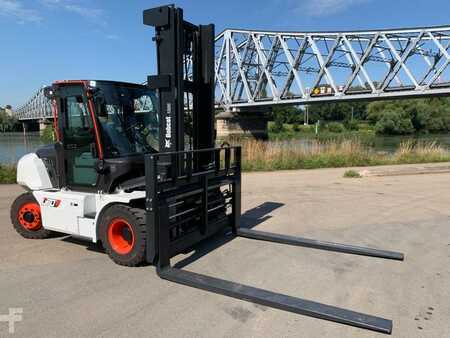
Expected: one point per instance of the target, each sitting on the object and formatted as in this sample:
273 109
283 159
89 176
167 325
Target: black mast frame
193 194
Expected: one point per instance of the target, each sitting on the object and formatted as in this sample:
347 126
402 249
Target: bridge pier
42 125
35 125
30 126
243 123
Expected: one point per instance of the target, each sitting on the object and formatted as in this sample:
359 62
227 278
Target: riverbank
364 133
287 155
332 131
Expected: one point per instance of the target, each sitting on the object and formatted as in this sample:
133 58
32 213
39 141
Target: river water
15 145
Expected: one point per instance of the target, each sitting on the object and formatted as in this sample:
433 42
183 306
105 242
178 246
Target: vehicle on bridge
136 171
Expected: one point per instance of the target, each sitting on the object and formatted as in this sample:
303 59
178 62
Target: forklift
135 168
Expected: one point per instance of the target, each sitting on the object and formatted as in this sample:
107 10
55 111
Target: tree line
7 122
396 117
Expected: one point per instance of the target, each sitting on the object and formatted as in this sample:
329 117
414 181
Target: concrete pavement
70 288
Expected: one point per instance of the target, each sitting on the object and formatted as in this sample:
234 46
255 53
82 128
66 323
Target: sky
46 40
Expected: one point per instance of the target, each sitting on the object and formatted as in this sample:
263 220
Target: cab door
78 138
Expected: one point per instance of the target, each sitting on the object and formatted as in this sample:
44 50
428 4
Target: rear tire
26 217
123 234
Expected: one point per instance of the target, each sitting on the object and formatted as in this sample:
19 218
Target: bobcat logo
168 134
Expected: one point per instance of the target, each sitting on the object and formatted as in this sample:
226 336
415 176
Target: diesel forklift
136 168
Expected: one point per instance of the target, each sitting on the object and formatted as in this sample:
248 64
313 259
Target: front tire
123 234
26 217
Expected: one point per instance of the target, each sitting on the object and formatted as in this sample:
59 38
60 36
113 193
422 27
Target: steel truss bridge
38 107
260 68
265 68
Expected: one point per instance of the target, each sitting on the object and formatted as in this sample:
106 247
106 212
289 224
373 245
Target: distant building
8 110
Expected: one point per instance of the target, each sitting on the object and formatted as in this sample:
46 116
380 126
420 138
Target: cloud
94 15
15 9
50 2
320 8
112 37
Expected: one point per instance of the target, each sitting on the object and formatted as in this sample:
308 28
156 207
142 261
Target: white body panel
87 228
62 209
32 173
77 213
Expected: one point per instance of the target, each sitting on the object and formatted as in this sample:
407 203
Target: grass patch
352 174
7 174
292 154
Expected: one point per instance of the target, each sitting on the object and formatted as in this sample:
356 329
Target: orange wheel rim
121 236
29 216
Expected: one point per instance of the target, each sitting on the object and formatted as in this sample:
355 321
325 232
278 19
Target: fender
104 201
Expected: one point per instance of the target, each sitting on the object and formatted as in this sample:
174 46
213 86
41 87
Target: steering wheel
137 126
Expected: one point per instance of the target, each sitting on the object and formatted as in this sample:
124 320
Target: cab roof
88 82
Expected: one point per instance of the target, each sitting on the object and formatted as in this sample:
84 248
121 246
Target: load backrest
185 205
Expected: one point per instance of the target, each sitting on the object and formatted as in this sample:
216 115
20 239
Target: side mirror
101 167
92 91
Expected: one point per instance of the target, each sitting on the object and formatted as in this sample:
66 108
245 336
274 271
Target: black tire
134 240
27 221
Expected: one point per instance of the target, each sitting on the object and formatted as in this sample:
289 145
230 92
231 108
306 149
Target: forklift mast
185 80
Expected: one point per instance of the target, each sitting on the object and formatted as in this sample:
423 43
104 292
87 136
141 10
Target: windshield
128 117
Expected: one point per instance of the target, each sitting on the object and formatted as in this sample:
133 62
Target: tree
339 111
395 122
6 122
408 116
286 114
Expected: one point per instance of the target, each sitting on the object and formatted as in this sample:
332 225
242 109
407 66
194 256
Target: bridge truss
267 68
258 68
38 107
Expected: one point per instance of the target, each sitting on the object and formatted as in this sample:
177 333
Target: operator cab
102 130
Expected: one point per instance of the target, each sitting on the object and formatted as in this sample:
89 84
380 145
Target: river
15 145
